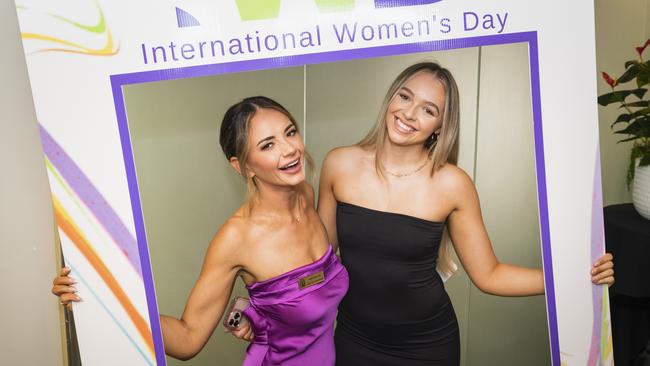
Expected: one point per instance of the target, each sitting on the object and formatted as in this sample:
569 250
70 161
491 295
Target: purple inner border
117 81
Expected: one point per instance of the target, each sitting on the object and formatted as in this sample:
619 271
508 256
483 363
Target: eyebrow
272 137
426 101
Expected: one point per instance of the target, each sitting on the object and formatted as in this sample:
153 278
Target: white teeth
291 165
404 126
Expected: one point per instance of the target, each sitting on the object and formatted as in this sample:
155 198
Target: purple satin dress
294 323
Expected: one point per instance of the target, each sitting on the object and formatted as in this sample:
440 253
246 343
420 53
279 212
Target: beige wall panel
187 187
343 100
645 4
620 26
29 313
507 331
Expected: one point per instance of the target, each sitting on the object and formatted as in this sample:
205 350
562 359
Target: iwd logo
270 9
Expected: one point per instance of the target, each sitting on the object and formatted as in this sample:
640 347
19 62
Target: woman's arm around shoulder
185 337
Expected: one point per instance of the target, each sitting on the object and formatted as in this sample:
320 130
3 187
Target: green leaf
640 103
627 139
629 74
640 92
645 65
630 63
642 78
638 128
622 118
609 98
644 112
619 96
645 161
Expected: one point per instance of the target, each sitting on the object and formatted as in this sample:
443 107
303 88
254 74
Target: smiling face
416 110
276 150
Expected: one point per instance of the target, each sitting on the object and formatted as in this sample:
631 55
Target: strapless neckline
379 212
315 263
396 311
293 320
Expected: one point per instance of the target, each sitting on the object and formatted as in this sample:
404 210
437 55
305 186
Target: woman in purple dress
272 241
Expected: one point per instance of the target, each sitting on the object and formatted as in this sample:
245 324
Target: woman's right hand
63 287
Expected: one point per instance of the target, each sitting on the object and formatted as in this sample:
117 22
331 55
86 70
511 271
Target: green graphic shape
269 9
258 9
331 6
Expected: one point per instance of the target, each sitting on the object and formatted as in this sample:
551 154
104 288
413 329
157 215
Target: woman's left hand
602 272
245 332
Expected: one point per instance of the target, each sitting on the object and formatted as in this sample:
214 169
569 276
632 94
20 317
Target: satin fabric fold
293 325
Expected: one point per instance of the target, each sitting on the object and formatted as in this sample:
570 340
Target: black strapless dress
396 311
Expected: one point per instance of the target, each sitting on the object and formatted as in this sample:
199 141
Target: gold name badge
311 280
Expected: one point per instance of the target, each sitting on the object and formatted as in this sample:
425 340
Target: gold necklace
401 175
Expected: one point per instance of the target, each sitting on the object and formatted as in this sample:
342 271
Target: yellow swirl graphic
108 49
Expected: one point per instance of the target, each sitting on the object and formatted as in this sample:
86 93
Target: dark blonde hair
235 127
441 151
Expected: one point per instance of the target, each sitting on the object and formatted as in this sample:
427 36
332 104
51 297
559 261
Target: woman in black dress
394 203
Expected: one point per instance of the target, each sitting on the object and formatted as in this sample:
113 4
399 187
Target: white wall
29 314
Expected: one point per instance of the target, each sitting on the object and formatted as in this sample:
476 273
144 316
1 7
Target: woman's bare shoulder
346 157
453 179
231 237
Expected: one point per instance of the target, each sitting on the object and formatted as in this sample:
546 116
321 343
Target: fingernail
73 280
78 298
73 289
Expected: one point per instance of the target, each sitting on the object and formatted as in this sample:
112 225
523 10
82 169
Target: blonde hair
441 151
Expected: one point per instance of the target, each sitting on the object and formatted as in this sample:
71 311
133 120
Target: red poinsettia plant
634 121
